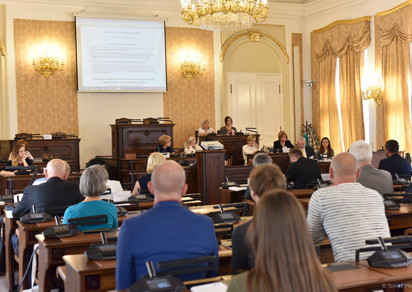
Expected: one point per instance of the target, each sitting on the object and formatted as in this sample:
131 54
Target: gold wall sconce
373 91
48 65
191 66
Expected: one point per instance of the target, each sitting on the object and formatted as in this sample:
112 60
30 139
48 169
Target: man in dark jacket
395 163
56 191
302 170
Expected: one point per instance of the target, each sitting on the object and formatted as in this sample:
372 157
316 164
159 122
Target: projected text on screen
120 55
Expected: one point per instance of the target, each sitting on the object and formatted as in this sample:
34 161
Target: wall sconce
191 66
373 91
48 65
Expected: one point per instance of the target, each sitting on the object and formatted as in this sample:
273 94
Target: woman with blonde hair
152 162
205 129
250 148
191 146
285 256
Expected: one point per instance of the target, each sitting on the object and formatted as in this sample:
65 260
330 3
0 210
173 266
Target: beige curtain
4 108
395 35
345 40
351 99
329 125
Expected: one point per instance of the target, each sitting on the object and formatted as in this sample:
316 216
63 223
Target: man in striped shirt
347 212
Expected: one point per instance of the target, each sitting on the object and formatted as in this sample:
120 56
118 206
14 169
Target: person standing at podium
205 129
228 129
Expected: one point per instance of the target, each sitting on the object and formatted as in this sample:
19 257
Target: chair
187 266
54 210
90 220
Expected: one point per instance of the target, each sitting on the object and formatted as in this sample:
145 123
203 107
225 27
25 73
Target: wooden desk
27 238
233 145
51 252
137 138
66 149
9 227
20 182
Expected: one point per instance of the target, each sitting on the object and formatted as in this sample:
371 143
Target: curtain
345 40
4 116
351 98
329 126
394 35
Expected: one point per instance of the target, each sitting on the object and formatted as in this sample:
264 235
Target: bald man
56 191
166 232
347 212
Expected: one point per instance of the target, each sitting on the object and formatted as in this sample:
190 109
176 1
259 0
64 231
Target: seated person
166 232
395 163
152 162
227 129
307 151
262 178
18 157
250 148
302 171
283 142
376 179
164 144
92 186
191 147
325 151
55 192
114 185
205 129
285 258
347 212
26 145
258 159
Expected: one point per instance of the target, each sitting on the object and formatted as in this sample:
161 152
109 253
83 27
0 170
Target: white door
255 100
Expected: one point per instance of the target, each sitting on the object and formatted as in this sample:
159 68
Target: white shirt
246 149
191 150
203 131
347 214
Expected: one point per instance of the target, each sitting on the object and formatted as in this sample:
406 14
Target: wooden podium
137 138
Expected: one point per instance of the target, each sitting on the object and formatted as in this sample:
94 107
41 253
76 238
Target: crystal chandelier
224 14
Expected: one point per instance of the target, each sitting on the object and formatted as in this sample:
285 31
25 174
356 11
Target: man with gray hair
166 232
370 177
55 192
258 159
347 212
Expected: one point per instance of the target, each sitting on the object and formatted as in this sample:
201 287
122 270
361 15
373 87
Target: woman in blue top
92 186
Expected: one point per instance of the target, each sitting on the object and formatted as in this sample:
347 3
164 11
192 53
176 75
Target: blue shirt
93 208
166 232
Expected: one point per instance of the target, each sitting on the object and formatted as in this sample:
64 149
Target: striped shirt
347 214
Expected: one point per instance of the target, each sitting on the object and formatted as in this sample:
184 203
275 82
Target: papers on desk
9 214
237 189
325 176
215 287
121 196
19 196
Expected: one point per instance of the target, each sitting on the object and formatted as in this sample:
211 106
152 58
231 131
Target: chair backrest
54 210
88 220
187 266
